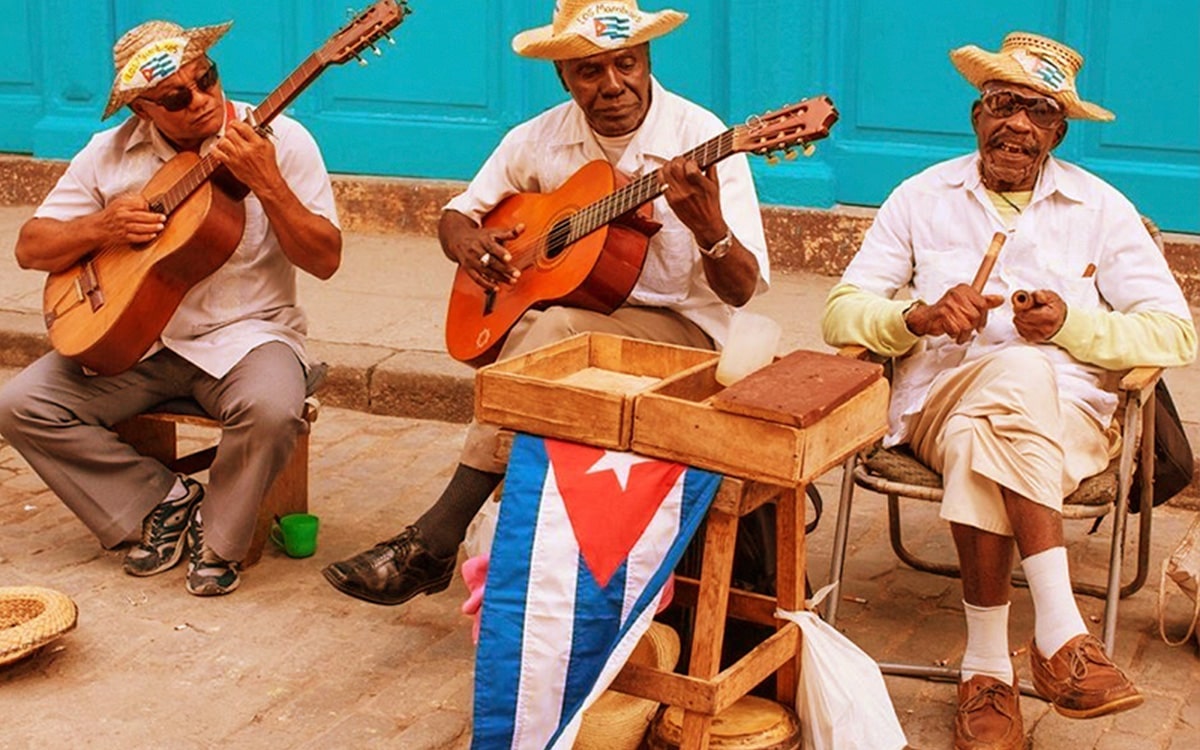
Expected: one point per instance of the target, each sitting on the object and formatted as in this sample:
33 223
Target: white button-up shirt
539 155
249 301
932 232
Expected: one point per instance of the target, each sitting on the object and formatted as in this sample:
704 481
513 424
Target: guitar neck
263 114
645 188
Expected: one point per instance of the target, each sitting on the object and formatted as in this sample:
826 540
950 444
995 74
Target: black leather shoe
392 572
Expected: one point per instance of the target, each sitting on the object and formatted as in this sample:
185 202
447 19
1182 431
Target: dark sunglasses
1043 112
180 98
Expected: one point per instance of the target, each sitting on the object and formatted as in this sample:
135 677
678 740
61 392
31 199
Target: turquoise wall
435 104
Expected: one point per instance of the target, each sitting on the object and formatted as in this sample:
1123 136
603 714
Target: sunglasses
180 98
1043 112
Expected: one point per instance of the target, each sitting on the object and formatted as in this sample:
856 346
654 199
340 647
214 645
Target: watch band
721 248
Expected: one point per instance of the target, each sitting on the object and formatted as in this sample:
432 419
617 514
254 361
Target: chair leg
837 557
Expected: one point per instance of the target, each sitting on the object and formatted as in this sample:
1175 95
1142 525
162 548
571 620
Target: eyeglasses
1042 111
180 98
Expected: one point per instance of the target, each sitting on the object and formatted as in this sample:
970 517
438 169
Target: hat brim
31 617
200 40
543 44
979 66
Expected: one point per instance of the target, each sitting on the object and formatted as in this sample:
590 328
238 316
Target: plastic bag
842 700
1182 567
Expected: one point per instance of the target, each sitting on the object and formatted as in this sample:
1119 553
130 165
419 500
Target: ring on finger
485 259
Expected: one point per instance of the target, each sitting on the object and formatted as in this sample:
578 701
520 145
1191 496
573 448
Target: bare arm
695 198
52 245
310 241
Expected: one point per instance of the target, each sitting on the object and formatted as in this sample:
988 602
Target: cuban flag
585 541
159 66
613 26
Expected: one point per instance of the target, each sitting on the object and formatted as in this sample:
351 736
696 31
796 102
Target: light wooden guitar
584 244
107 309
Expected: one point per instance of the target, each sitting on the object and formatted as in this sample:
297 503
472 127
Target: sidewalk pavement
287 662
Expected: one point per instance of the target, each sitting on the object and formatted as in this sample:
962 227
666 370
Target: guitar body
595 272
109 308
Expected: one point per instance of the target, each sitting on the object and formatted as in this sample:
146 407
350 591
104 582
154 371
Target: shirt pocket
936 271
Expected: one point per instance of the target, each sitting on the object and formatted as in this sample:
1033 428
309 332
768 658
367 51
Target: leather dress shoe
988 717
394 571
1081 681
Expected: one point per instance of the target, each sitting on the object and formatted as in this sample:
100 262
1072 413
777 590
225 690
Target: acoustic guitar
107 309
584 244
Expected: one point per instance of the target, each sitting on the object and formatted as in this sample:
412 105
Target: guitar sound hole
556 238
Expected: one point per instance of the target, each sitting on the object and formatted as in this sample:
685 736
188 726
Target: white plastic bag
1182 567
842 700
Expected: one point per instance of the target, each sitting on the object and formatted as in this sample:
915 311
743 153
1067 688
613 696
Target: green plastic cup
296 534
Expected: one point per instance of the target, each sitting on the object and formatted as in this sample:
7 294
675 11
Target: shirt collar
1054 178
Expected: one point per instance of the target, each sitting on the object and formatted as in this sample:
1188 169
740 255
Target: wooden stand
154 434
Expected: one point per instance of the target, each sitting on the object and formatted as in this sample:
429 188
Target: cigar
989 260
1022 300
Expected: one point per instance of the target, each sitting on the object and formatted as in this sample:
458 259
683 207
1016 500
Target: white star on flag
619 464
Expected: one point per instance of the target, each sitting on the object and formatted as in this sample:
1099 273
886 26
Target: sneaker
161 545
394 571
989 716
208 574
1081 681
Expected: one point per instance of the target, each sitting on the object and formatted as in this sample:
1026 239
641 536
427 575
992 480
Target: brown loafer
989 717
1081 681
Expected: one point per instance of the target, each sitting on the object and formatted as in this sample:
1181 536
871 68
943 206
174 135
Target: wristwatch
721 248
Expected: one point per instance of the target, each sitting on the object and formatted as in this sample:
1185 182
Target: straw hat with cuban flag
148 54
585 27
1034 61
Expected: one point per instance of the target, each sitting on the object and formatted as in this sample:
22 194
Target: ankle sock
445 524
987 643
1056 617
178 491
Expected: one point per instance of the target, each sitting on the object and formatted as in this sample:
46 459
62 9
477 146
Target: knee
14 410
556 323
268 419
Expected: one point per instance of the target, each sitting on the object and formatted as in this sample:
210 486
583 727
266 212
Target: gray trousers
60 420
538 328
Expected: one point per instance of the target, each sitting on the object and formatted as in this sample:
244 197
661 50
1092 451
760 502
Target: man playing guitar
236 342
709 256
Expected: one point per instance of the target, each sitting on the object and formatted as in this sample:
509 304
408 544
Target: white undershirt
614 146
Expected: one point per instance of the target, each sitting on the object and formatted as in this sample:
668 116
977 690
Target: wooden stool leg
288 494
153 438
789 582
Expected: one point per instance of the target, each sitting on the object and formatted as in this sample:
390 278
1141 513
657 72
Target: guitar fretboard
276 101
643 189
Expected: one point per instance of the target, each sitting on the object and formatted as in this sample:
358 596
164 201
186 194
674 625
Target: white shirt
539 155
932 232
249 301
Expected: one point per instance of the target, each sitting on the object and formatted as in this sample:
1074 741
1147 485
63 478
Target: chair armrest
1141 380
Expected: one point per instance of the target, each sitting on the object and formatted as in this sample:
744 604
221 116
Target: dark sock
445 524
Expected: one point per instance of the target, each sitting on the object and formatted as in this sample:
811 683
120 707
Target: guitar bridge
489 301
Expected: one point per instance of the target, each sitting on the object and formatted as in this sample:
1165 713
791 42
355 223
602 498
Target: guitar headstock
367 27
781 130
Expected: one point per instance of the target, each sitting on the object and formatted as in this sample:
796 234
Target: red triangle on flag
608 518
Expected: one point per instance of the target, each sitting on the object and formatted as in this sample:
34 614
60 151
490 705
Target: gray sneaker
207 573
161 545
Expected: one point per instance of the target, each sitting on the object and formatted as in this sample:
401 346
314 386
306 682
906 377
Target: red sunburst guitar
584 244
107 309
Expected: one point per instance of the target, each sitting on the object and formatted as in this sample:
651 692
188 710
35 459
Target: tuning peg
772 159
361 61
376 50
789 154
351 12
389 38
808 149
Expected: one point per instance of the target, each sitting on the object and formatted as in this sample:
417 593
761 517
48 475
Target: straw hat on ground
587 27
153 51
1034 61
617 721
31 617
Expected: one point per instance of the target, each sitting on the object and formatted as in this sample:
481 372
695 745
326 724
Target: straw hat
31 617
1034 61
617 721
588 27
147 54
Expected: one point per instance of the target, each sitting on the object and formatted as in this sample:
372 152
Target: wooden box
581 389
677 420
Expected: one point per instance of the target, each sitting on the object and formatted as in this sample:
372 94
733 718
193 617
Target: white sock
178 490
1056 617
987 643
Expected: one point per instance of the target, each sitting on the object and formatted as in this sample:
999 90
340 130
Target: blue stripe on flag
597 627
498 677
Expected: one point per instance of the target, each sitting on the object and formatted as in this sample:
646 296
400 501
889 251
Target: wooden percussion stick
1022 300
989 260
